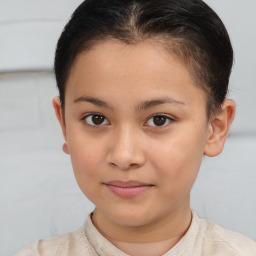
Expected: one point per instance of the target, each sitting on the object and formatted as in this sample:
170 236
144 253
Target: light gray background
38 193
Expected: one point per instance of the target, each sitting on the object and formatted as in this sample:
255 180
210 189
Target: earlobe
65 148
219 127
60 116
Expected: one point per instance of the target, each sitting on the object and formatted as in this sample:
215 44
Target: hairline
172 45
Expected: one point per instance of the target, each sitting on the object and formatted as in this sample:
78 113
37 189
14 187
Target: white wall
29 30
37 186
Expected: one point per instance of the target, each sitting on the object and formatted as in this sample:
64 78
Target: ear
218 129
60 116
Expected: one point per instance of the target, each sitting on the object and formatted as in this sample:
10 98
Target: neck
157 237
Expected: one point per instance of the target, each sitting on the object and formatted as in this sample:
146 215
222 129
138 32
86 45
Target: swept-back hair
190 29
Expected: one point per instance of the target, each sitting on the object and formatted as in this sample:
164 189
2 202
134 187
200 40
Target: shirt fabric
203 238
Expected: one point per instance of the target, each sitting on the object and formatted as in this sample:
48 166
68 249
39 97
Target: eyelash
94 125
167 118
105 121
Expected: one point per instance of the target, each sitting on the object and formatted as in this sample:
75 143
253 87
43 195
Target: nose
126 150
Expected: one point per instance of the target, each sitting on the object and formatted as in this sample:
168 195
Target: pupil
159 120
97 119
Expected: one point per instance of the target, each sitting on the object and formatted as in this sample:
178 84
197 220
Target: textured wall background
37 187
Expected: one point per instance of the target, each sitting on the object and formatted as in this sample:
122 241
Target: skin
122 80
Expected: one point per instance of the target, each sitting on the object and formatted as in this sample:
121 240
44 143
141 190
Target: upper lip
126 184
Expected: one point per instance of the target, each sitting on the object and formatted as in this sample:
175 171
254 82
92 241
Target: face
136 130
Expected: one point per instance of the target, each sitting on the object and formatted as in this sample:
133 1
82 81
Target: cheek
87 172
180 157
86 160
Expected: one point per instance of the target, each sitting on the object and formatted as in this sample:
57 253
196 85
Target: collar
104 248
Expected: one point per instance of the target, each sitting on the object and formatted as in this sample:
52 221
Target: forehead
146 68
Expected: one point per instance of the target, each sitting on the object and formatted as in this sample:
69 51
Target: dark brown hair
190 29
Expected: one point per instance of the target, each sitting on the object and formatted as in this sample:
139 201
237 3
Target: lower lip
128 192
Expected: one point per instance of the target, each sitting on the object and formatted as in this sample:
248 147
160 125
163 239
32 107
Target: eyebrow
142 106
95 101
155 102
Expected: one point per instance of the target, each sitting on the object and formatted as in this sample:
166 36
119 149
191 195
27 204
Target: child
143 88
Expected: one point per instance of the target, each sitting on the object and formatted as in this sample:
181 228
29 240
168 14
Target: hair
189 29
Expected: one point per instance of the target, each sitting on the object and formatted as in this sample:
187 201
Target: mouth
127 189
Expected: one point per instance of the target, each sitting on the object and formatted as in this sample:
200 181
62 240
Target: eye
95 120
159 121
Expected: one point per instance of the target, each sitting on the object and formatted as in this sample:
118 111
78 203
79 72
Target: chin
131 219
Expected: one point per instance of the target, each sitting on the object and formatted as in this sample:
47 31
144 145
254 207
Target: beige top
202 238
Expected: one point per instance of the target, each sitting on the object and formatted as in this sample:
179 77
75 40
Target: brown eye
96 120
159 121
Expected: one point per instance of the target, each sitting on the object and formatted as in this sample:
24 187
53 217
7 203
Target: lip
127 189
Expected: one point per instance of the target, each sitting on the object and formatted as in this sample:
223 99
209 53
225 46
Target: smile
127 189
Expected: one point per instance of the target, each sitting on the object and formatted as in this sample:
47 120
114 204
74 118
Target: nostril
125 166
125 154
134 165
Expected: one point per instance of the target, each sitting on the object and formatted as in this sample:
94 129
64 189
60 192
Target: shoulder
74 243
221 241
